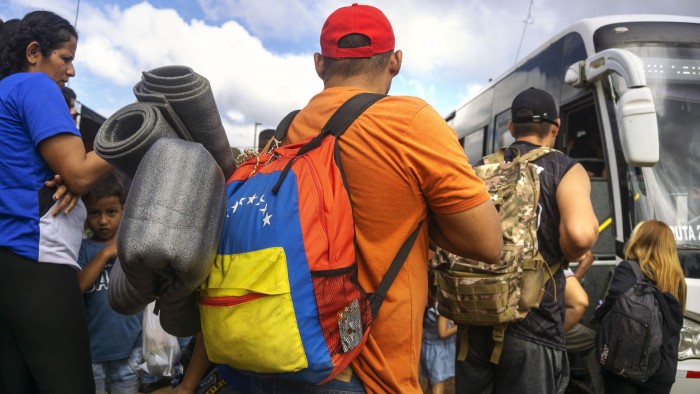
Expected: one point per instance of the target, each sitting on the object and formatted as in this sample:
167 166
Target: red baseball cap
356 19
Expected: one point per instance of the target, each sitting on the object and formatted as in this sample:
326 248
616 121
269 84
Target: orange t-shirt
401 161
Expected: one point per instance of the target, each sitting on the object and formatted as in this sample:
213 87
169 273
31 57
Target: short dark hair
111 186
68 95
527 129
356 66
265 136
48 29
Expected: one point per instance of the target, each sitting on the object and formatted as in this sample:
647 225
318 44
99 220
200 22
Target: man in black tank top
534 356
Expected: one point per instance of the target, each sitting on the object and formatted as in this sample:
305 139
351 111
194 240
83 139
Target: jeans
279 386
524 367
118 376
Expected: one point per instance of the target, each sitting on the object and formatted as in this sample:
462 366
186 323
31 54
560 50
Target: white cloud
250 83
258 54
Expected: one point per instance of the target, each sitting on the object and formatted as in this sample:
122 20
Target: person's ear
555 129
32 53
395 63
510 128
320 65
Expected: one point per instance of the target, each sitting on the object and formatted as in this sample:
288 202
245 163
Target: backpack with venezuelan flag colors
283 298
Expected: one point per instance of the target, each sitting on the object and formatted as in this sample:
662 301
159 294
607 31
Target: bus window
503 137
473 144
579 137
581 140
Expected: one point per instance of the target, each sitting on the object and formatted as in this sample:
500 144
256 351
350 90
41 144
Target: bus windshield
670 191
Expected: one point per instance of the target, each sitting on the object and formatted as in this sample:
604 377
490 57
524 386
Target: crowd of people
59 334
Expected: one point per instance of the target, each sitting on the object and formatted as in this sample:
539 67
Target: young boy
115 339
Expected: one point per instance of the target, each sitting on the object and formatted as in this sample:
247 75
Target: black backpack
628 342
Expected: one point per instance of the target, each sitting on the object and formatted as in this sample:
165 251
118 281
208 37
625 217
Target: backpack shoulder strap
281 130
536 153
377 298
500 155
347 113
638 274
341 119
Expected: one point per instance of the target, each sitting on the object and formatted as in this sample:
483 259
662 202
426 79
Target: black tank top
545 324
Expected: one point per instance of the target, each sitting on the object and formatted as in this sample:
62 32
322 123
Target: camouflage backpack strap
536 154
499 156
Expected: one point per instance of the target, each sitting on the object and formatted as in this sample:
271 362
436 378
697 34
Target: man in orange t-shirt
403 164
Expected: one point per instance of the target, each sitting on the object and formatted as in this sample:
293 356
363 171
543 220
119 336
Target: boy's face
103 217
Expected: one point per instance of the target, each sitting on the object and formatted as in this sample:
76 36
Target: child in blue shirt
115 339
437 356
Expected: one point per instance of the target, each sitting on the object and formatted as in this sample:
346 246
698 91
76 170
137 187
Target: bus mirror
639 132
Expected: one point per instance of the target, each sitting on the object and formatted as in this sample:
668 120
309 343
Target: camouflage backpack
474 293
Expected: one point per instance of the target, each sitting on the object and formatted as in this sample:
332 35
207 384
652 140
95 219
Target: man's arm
474 233
576 301
584 264
578 228
199 364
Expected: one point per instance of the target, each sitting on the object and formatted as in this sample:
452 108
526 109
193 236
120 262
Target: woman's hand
66 200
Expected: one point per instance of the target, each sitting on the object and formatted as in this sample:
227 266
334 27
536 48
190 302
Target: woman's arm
65 155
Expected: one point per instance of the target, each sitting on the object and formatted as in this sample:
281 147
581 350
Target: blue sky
258 54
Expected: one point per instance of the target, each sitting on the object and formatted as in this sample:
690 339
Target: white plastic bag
160 349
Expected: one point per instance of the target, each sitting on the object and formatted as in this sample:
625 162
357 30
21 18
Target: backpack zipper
230 300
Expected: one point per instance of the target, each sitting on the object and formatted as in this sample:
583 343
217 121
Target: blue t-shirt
112 335
33 109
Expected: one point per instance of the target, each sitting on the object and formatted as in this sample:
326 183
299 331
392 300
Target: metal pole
255 134
77 8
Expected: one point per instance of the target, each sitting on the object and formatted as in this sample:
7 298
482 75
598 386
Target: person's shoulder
406 103
26 83
34 78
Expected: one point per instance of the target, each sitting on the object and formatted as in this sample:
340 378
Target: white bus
628 88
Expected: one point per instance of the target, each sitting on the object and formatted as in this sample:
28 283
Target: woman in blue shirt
43 333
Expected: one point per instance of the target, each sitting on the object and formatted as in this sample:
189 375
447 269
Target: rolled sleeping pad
180 318
125 137
172 218
123 297
188 101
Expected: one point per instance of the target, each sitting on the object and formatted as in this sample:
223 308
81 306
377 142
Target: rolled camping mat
186 99
123 297
172 219
125 137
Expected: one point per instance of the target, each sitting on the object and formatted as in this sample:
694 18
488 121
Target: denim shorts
118 376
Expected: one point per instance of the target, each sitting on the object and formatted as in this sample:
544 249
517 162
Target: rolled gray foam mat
123 297
172 219
124 138
187 100
180 318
